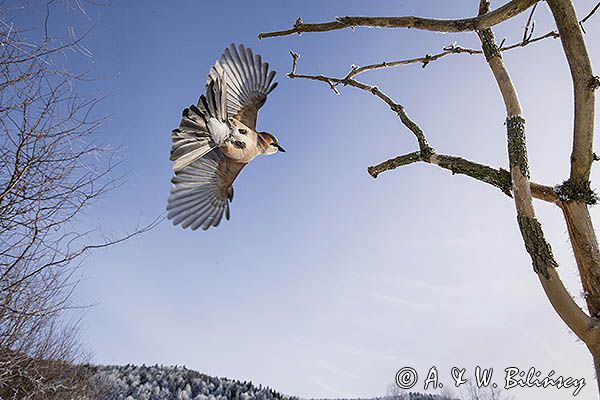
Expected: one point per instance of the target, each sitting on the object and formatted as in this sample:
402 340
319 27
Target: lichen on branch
537 246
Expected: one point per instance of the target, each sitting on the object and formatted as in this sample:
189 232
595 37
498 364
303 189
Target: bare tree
572 197
470 391
447 393
394 392
51 170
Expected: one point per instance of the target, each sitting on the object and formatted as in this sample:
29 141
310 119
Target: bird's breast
241 148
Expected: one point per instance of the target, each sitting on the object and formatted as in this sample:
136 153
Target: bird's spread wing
237 86
248 81
202 128
201 192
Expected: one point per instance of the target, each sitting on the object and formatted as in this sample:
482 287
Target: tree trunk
585 247
596 355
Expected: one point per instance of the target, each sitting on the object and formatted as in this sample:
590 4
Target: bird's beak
280 148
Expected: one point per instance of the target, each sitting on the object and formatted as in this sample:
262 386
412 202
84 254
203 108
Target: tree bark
575 207
578 220
585 247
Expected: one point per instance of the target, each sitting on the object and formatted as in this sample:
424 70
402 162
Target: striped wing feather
201 192
248 81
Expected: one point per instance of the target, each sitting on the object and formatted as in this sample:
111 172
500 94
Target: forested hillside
179 383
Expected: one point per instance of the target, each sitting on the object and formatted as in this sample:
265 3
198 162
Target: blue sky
325 282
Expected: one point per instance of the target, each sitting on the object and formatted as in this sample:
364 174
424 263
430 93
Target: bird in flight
218 137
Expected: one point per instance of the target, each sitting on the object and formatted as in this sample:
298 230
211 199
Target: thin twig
425 60
588 16
527 34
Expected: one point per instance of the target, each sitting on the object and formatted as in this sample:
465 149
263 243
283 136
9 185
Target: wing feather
249 62
200 192
248 82
233 67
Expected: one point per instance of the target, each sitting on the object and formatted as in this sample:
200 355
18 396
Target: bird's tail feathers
192 139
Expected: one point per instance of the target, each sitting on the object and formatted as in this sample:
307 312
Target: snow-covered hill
179 383
174 383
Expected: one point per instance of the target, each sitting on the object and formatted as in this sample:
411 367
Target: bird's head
269 142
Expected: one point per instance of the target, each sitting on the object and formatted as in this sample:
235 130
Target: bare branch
487 20
53 169
536 245
453 48
530 26
394 163
499 178
582 75
496 177
579 223
374 90
588 16
447 50
530 40
425 60
75 254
